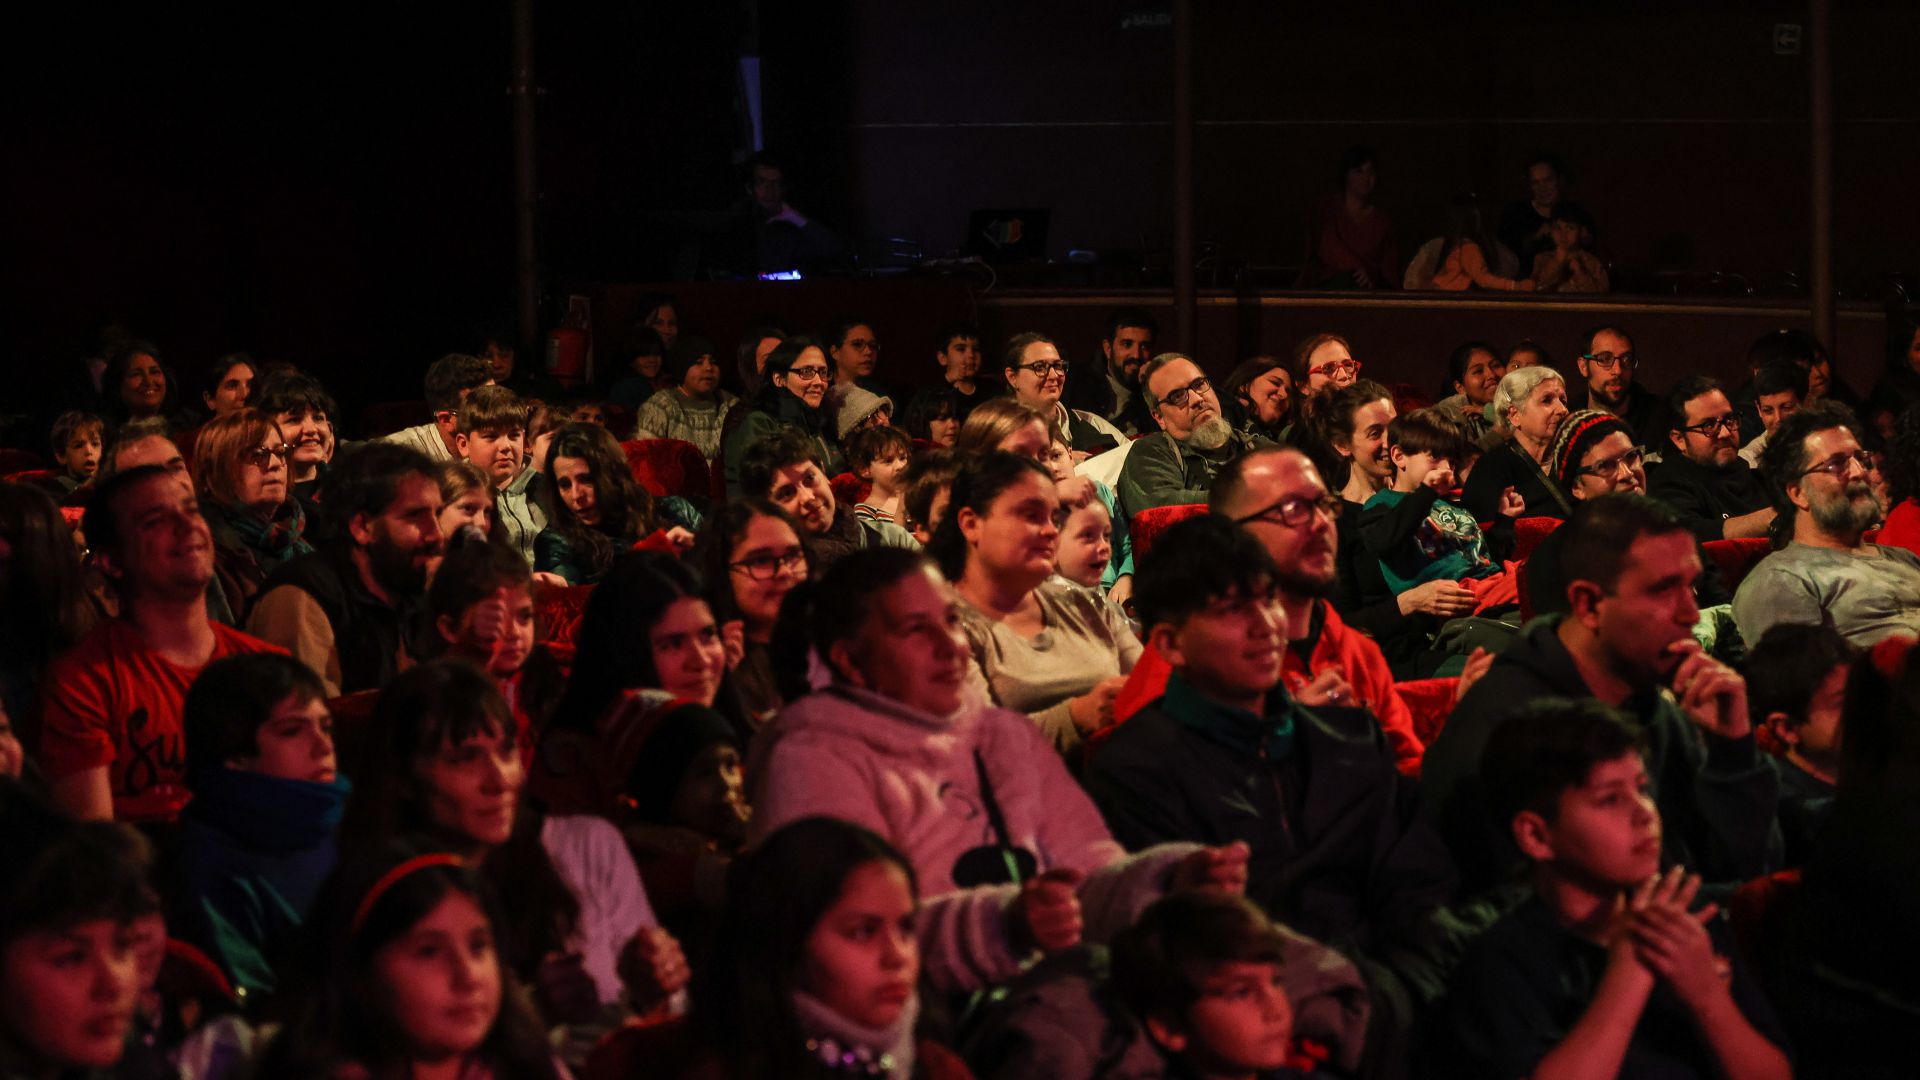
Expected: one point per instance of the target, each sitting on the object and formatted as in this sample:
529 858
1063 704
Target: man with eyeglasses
1037 376
449 381
1608 366
1176 465
1829 575
1701 475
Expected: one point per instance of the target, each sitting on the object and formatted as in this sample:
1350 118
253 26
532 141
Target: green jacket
1162 472
759 422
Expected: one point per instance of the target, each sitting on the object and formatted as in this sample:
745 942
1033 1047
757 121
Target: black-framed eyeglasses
1612 360
259 456
1180 395
1728 423
1836 466
1040 368
808 374
1611 467
767 565
1297 510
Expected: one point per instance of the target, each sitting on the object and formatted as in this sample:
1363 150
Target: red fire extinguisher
567 355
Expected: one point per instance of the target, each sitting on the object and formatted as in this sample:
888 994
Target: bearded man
1177 464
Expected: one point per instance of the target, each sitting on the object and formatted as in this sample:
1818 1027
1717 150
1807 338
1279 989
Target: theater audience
933 415
1176 465
1046 648
1700 473
354 610
138 387
76 441
240 473
111 741
449 380
1468 257
1626 641
599 511
1607 367
1828 574
1797 682
694 407
1010 850
1111 389
854 409
1565 265
1416 530
792 397
1258 399
853 351
957 351
481 601
929 487
491 433
138 443
304 411
1474 371
1606 968
227 383
1350 241
1323 363
878 456
660 315
1530 403
45 607
646 356
781 238
1037 375
1775 392
257 841
1526 226
466 498
751 556
784 469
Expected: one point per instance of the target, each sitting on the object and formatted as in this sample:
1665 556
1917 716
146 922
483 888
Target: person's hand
653 968
1443 599
1512 503
1223 868
547 577
1047 915
1122 591
1079 455
681 538
1362 278
486 621
1327 688
1440 479
733 636
1075 492
1713 695
1675 947
1093 710
564 991
1476 666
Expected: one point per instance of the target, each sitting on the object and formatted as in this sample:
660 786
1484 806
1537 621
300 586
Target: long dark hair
776 895
1467 223
979 483
615 654
337 1023
438 704
780 361
819 614
626 508
118 361
43 594
1330 422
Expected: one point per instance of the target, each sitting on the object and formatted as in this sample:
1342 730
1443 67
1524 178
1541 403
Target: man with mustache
1607 367
1112 389
355 610
1701 475
1828 575
1177 464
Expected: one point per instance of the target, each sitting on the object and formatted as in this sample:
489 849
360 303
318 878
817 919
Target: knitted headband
1578 433
391 878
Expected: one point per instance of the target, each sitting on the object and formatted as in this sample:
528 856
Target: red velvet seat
1431 702
1147 525
1528 532
72 515
1736 558
849 489
187 974
36 477
12 461
1761 915
669 467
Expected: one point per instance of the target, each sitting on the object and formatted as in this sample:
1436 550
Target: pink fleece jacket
910 777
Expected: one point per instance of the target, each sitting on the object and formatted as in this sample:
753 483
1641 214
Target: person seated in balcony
1469 258
1350 241
1567 266
1526 226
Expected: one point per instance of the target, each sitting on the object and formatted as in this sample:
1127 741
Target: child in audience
491 433
1086 542
482 604
1201 971
751 557
1418 532
257 840
466 498
1797 688
879 456
929 485
77 437
69 901
408 979
1565 984
644 361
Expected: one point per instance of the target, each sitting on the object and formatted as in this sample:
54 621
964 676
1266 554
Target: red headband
391 878
1889 657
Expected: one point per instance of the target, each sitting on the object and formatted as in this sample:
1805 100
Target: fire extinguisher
567 355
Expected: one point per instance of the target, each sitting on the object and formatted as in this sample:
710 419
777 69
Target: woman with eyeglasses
1036 373
240 474
794 393
1532 402
1323 363
751 556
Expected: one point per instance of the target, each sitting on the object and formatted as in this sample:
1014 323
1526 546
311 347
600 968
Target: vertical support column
526 262
1820 105
1185 328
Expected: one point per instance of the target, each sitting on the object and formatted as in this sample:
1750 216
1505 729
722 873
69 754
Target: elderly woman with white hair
1531 402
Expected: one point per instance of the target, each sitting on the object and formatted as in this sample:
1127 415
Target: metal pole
526 259
1185 330
1820 75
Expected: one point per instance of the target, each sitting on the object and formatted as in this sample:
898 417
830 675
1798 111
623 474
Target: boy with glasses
1700 473
1176 465
1829 575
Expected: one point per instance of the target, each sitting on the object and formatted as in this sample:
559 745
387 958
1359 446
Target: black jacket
1507 466
368 634
1644 417
1704 496
1716 795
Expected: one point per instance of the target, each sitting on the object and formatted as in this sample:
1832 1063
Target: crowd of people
1068 719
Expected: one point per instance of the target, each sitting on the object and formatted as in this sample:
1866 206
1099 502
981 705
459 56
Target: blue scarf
265 812
1238 729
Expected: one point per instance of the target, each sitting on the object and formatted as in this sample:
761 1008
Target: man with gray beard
1177 464
1828 575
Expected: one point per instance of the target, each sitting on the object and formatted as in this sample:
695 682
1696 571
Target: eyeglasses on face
259 456
1837 465
1297 510
767 565
1180 395
1041 368
1333 367
1611 466
808 374
1610 361
1729 423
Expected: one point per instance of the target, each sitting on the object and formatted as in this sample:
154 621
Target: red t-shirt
113 701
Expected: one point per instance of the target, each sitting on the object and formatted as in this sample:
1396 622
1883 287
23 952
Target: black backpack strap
995 818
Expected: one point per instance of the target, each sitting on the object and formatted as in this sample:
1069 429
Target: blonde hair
217 450
992 421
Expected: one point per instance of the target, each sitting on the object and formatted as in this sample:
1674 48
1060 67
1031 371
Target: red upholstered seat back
1147 525
849 489
1736 558
1528 532
353 731
35 477
669 467
1431 702
12 461
1761 914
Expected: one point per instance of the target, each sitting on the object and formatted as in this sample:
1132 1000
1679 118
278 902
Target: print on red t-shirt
113 701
